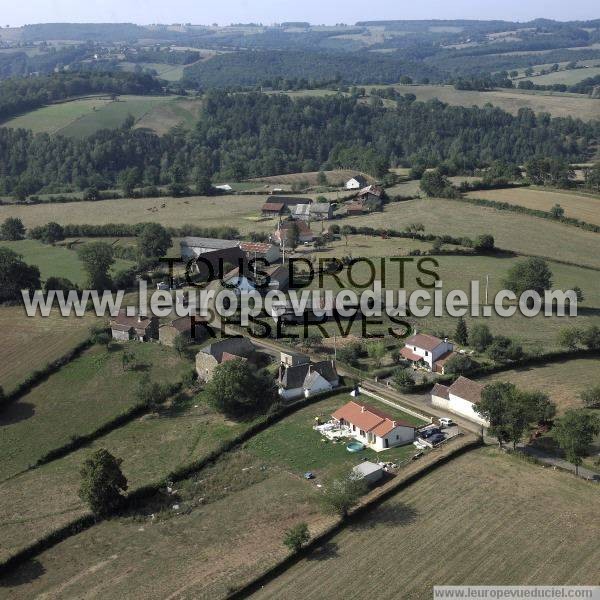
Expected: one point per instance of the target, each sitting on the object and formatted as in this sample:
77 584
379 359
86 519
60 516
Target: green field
29 344
163 70
520 233
80 118
563 381
568 77
151 447
483 519
557 104
584 208
56 261
76 400
536 334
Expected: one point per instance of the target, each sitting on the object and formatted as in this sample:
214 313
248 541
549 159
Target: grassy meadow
503 521
76 400
150 446
584 208
563 381
556 103
83 117
56 260
30 344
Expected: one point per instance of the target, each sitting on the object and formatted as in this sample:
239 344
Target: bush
403 380
480 337
296 537
459 364
591 397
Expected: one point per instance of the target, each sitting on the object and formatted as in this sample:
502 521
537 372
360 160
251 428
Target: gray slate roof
214 243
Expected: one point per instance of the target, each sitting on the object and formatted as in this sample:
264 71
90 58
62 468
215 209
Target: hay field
563 381
484 518
336 177
520 233
557 104
584 208
30 344
568 77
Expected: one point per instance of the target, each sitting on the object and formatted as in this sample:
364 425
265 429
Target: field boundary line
146 491
369 502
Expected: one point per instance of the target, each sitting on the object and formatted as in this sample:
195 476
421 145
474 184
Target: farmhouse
192 247
260 250
355 208
142 329
306 378
319 211
371 192
274 209
169 331
281 234
289 201
273 277
460 398
373 427
210 357
356 182
427 350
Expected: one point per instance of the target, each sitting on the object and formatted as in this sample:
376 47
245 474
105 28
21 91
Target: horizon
268 12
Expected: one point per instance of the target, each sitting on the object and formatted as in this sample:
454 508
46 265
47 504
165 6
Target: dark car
436 438
427 433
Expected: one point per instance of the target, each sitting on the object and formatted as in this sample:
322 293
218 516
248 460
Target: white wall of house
292 393
352 184
120 335
459 406
430 356
396 437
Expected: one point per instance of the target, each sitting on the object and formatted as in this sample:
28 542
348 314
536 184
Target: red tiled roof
423 340
274 206
227 356
125 322
367 418
440 391
467 389
258 247
410 355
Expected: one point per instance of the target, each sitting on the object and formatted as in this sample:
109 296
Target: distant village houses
124 328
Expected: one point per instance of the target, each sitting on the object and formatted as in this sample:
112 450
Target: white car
446 421
419 444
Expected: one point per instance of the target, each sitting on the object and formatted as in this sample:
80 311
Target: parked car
427 433
436 438
419 444
446 421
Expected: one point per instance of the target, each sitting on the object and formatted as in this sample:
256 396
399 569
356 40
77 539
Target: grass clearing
56 260
83 117
29 344
335 177
76 400
495 520
568 77
556 103
563 381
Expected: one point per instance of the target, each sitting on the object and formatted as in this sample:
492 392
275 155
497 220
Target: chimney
446 340
139 319
362 409
394 424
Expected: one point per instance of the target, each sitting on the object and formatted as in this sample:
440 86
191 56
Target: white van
446 421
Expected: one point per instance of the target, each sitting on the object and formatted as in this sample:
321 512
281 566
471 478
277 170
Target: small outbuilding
368 471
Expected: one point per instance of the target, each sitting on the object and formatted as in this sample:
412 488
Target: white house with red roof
373 427
460 398
427 350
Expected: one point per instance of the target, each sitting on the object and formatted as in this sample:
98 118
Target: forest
248 135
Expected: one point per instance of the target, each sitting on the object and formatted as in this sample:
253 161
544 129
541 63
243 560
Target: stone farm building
373 427
221 351
319 211
261 250
305 233
142 329
460 398
192 247
274 209
167 332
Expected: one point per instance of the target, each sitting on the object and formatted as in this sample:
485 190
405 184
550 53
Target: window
362 433
426 353
397 437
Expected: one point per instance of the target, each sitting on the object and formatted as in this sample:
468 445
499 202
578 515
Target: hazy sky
269 11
